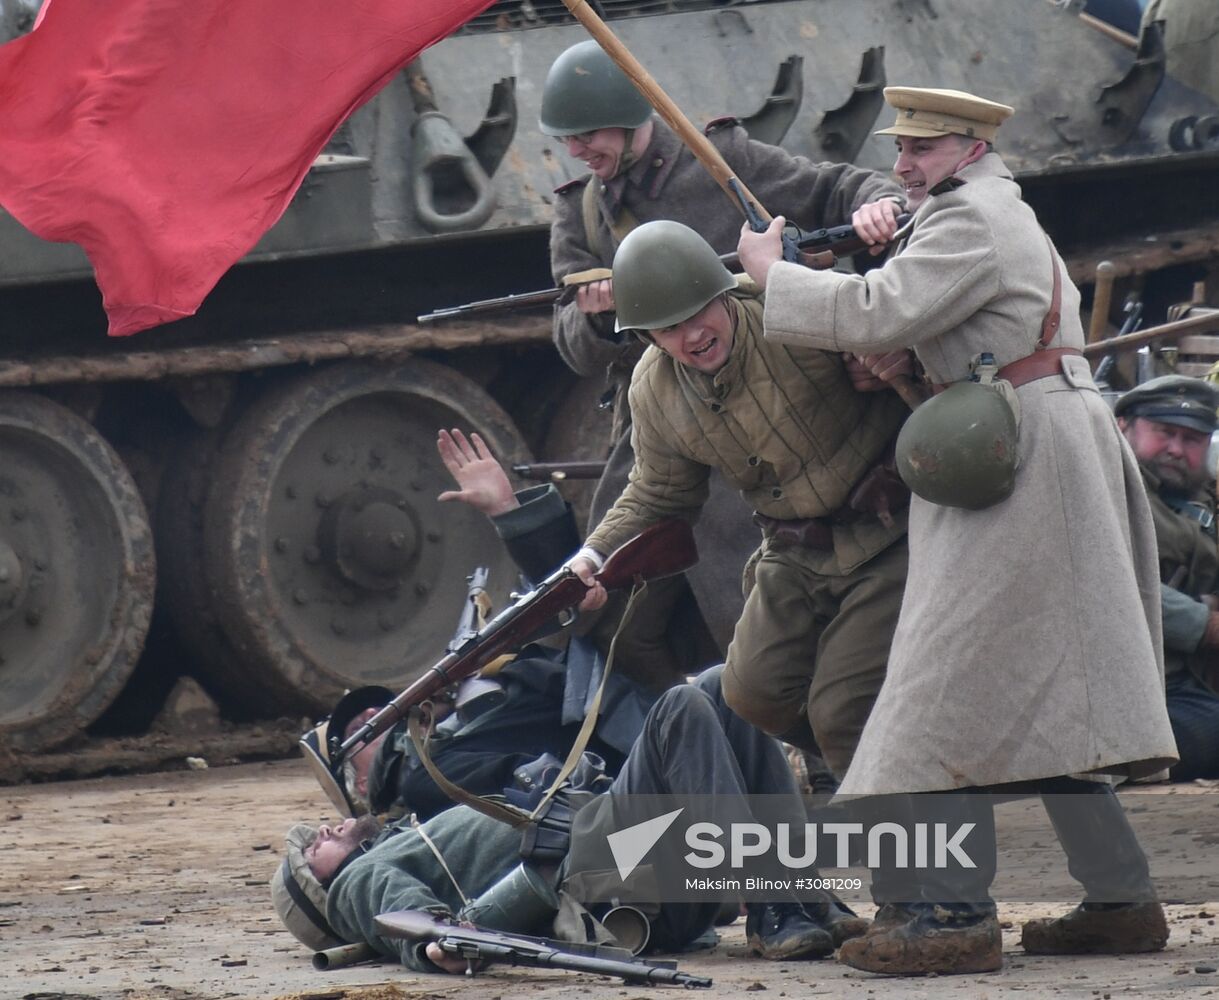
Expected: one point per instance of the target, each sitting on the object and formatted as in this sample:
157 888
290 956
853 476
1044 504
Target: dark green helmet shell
959 448
664 273
585 90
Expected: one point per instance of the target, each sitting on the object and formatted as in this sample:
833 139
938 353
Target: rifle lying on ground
664 549
476 945
820 246
558 471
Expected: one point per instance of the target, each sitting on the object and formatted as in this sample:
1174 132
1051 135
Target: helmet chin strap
628 158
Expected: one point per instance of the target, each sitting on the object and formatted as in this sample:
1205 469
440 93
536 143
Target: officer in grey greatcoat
1168 423
1029 645
639 170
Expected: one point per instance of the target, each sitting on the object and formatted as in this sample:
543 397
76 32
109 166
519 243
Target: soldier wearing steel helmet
1028 646
638 170
785 427
1168 423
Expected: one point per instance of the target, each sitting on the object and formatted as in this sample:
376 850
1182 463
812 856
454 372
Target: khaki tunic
668 183
1189 562
1030 631
785 427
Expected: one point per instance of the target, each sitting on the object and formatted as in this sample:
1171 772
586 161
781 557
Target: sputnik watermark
932 845
798 846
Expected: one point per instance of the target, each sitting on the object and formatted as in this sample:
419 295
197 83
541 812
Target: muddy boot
840 920
779 931
1098 929
936 940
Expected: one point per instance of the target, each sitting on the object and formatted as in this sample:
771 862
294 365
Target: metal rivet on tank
385 622
337 626
397 540
330 456
433 535
300 597
33 617
290 491
421 590
322 500
281 544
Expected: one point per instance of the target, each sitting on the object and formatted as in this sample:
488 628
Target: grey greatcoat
1029 639
668 183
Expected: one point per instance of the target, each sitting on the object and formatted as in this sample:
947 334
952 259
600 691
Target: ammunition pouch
547 837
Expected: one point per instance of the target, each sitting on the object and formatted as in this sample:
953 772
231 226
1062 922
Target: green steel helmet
959 449
585 90
664 273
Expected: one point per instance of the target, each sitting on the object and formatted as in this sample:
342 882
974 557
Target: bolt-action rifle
664 549
820 248
558 471
477 945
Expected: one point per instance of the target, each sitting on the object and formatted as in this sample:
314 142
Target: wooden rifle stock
664 549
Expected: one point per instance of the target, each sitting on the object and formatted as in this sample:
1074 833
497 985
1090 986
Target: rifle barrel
1201 323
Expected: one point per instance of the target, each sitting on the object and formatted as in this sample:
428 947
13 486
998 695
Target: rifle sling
594 710
503 811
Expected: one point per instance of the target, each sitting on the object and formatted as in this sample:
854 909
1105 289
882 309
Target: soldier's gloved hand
595 297
585 567
871 372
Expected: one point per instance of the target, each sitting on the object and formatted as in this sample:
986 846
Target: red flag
166 136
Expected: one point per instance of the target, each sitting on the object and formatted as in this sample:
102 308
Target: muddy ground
154 886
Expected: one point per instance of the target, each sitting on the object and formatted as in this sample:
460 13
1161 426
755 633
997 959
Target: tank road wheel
77 573
330 560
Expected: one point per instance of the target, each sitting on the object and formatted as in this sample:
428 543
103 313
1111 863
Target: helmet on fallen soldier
299 898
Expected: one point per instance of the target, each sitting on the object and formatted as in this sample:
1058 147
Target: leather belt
811 532
1039 364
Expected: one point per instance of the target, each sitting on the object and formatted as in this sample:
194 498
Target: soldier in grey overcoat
1028 645
640 171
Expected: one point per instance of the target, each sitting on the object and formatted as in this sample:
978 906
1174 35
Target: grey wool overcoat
1029 639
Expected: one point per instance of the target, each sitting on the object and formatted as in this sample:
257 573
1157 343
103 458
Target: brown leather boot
931 942
1098 930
